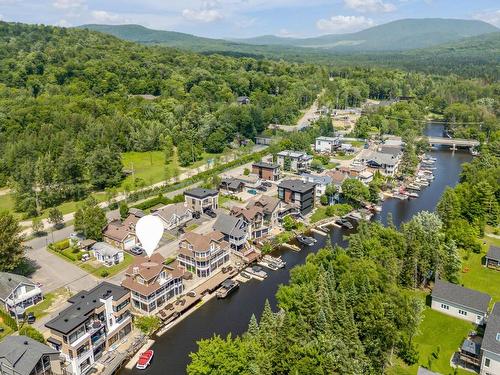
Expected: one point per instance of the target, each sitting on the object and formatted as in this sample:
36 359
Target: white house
17 293
460 302
199 199
321 182
295 161
107 254
490 347
327 144
174 215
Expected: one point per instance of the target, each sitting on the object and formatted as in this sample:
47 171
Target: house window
445 307
498 336
462 312
487 362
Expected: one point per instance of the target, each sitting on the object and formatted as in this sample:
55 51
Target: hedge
32 333
8 320
159 200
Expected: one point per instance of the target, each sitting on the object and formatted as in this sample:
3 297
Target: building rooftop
320 180
9 281
295 154
491 338
83 305
201 193
229 225
166 212
380 158
105 249
493 253
297 186
328 139
22 353
262 164
117 231
267 203
457 294
201 242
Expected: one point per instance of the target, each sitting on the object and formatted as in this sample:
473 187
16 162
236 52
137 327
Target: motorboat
274 260
413 187
227 287
305 240
257 272
145 360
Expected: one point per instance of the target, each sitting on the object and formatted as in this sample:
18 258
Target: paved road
305 121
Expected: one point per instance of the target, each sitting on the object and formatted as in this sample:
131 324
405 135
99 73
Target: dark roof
229 225
471 347
23 353
491 339
201 193
297 186
9 281
262 164
493 253
459 295
83 304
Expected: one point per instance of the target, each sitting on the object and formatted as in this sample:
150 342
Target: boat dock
291 247
130 365
318 231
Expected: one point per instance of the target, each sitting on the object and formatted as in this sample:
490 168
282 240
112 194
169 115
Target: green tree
123 209
55 217
105 167
37 225
148 324
11 239
90 219
355 191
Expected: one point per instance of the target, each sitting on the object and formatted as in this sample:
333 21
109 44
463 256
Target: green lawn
475 276
441 331
319 214
148 166
191 227
112 271
49 300
6 331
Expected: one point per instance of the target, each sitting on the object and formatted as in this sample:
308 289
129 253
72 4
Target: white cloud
64 23
103 16
343 24
492 17
1 17
373 6
68 4
202 15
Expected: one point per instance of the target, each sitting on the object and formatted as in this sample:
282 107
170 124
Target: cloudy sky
244 18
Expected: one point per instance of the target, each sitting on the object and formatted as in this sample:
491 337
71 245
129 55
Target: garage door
129 244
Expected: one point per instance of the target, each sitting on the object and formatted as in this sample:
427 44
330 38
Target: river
231 315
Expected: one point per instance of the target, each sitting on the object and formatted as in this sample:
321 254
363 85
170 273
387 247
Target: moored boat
305 240
145 360
227 287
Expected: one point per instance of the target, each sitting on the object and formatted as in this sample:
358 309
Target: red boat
145 360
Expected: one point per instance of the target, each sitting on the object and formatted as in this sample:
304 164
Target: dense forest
67 107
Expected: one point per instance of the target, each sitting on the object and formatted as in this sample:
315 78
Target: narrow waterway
231 315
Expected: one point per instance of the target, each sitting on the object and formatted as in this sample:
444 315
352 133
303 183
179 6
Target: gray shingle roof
201 193
83 304
9 281
23 353
490 341
493 253
459 295
229 225
263 164
298 186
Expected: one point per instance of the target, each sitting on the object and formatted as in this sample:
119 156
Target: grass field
97 270
49 300
148 166
440 336
6 330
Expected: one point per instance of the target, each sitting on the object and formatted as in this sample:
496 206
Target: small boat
272 266
227 287
245 275
411 194
145 360
257 272
305 240
377 208
277 261
413 187
344 223
400 196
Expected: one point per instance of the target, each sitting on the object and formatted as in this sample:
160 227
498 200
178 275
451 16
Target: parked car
210 213
137 250
262 188
30 318
267 184
196 214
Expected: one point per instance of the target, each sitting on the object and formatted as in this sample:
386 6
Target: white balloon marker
149 230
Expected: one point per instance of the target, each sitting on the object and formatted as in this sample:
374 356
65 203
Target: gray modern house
490 348
460 302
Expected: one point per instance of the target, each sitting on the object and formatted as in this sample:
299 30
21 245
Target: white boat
413 187
145 360
400 196
412 194
256 271
377 208
274 260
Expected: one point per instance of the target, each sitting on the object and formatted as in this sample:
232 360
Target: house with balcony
321 181
17 293
106 254
294 161
301 193
152 284
234 229
266 171
327 144
200 200
96 321
254 219
490 347
21 355
174 215
271 208
203 254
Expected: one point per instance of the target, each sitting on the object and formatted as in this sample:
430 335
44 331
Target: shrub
104 273
8 320
60 245
32 333
75 250
148 324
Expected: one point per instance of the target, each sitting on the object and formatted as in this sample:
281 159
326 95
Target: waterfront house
386 163
21 355
492 258
327 144
152 284
254 219
234 229
174 215
200 200
321 182
338 177
121 234
17 293
294 161
300 192
106 254
95 322
271 208
266 171
460 302
490 347
203 254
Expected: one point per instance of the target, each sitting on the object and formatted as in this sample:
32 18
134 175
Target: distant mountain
398 35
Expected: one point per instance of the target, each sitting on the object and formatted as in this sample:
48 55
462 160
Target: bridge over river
453 142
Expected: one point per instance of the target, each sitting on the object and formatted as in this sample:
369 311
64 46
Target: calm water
231 315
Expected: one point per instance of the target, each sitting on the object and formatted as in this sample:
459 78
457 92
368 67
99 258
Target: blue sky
244 18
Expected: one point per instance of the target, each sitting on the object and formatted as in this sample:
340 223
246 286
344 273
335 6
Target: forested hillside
66 111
